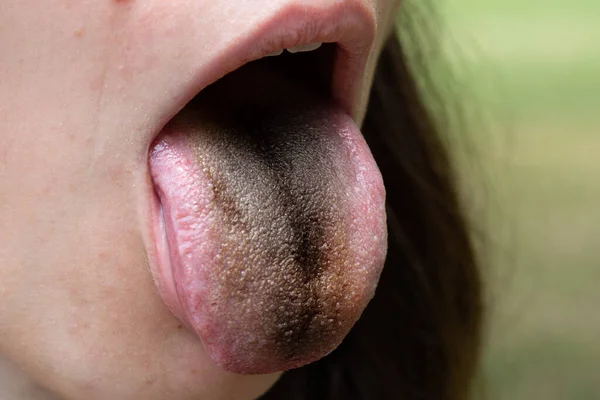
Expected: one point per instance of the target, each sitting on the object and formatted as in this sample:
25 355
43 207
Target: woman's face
85 88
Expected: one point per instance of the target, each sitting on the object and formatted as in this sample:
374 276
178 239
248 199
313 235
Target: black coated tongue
280 237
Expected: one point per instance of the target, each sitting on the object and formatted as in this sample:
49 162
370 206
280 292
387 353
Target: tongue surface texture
274 215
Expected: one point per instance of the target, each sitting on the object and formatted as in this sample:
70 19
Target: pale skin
84 86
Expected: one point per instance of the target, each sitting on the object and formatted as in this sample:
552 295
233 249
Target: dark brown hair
420 336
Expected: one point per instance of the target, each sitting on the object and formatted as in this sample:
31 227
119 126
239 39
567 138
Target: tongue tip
263 362
240 351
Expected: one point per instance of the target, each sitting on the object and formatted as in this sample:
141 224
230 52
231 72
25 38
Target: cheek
387 11
387 14
71 264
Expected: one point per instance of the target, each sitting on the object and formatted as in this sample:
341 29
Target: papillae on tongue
275 222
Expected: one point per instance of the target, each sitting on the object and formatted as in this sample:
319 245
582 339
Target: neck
16 385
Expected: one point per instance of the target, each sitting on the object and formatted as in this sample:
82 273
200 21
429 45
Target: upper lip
349 24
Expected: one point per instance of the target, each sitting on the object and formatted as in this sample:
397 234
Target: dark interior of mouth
312 70
274 214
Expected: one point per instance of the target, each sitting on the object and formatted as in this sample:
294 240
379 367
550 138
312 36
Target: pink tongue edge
184 240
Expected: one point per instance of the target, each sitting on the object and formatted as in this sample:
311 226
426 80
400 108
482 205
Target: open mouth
270 224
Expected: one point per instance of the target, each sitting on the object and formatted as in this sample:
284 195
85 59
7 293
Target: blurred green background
534 68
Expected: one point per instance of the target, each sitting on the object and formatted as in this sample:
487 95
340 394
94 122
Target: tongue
273 210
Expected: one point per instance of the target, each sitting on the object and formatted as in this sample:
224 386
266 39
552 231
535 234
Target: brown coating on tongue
281 267
291 216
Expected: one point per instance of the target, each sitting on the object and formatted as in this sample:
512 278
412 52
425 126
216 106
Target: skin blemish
79 33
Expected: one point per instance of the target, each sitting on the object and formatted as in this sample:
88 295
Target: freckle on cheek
79 33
